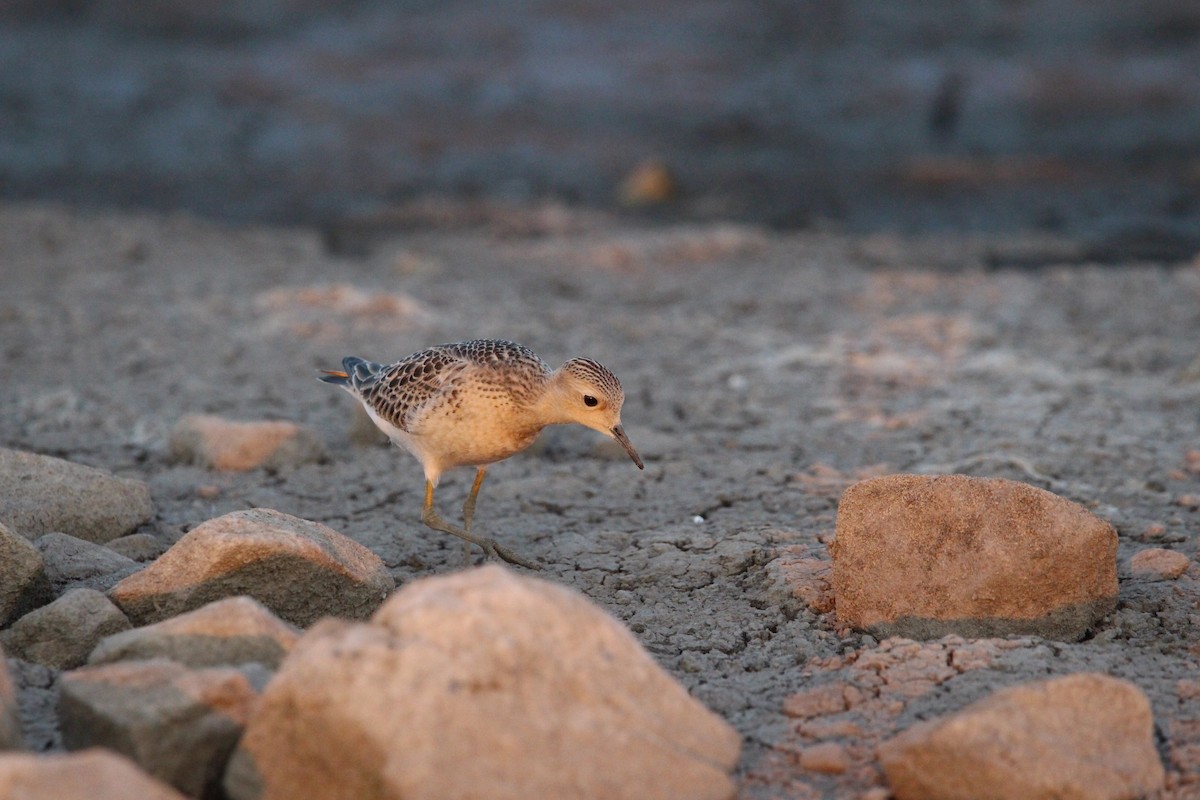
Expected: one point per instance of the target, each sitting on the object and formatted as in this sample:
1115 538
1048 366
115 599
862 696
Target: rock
237 630
829 758
93 774
1085 736
223 444
37 692
1189 501
481 683
806 579
1157 564
11 737
138 546
75 563
301 570
40 494
817 701
924 556
23 582
178 724
62 634
650 183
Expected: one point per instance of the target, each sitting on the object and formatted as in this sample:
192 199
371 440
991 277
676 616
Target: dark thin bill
619 434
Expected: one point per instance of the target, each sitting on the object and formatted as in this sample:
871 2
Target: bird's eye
590 401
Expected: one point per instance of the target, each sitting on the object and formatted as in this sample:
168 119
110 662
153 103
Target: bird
475 403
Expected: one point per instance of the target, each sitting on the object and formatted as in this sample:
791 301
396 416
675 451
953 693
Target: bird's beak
618 433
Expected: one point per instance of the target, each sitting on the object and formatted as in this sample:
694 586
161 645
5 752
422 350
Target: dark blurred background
1074 116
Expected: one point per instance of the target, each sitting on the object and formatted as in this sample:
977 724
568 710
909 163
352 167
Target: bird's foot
508 555
489 546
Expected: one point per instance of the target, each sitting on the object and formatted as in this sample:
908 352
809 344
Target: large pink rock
1085 736
94 774
301 570
480 684
924 556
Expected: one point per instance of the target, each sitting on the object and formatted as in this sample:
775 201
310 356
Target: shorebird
478 402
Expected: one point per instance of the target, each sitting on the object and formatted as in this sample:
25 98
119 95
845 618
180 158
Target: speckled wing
498 353
398 392
403 392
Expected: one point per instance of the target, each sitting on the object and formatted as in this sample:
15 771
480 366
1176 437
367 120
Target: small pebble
828 757
1157 564
650 183
1155 530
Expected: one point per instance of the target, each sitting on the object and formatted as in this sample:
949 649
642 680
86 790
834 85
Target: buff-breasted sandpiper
478 402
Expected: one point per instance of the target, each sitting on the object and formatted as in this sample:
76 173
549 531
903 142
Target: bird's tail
354 374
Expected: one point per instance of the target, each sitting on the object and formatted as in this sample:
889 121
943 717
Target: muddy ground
764 372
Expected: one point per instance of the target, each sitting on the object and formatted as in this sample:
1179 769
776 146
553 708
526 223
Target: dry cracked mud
764 373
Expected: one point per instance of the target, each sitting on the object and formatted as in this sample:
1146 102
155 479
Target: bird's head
590 395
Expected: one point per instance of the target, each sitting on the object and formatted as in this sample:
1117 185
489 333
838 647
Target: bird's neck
551 407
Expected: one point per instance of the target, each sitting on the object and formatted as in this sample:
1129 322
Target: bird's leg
432 519
469 511
469 505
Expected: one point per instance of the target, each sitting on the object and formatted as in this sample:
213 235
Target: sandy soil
764 372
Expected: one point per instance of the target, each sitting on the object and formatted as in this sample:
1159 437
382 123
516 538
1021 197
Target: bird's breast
473 430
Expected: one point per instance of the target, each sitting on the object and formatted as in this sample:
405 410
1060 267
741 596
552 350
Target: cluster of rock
196 666
926 556
197 669
1082 735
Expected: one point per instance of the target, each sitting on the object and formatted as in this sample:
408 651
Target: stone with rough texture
481 683
94 774
23 582
239 446
1157 564
40 494
61 634
72 562
138 546
11 737
1086 736
924 556
805 579
178 724
301 570
237 630
828 757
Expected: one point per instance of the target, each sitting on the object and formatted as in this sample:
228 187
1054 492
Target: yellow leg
432 519
469 505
